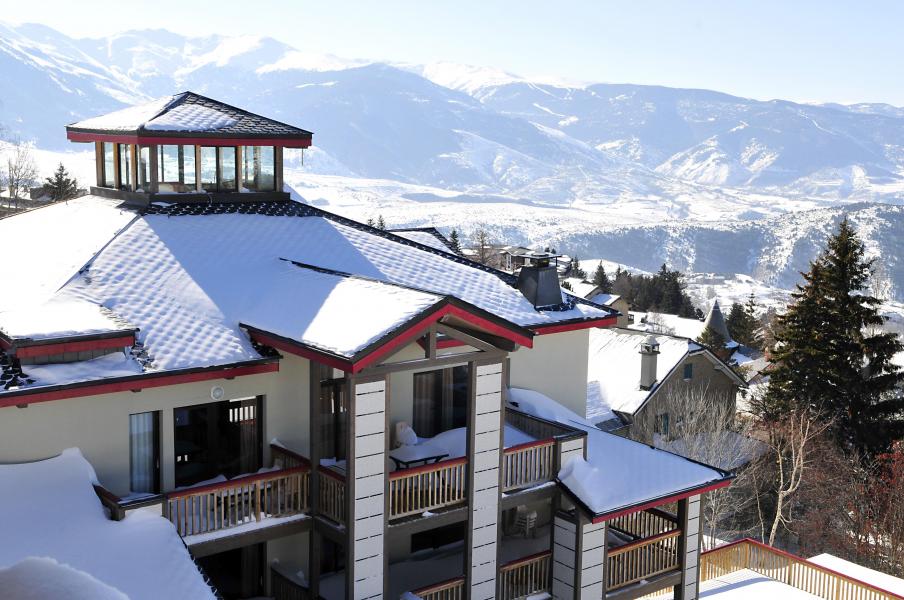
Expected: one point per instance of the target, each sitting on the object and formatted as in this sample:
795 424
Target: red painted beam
139 383
82 346
561 327
147 140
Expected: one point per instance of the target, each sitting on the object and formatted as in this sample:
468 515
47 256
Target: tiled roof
429 236
188 113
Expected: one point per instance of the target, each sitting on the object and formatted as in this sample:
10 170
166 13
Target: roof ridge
245 112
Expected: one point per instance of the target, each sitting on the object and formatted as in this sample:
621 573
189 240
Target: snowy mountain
688 176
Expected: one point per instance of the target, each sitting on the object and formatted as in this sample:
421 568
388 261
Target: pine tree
370 222
455 242
576 270
601 279
712 339
60 186
831 357
381 224
566 285
742 322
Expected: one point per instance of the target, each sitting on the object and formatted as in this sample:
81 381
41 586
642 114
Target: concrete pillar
365 492
485 431
579 558
689 519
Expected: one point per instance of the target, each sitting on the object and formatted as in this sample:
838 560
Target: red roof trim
224 140
82 346
661 501
139 384
443 343
574 326
297 349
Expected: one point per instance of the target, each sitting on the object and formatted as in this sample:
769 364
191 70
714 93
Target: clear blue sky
829 50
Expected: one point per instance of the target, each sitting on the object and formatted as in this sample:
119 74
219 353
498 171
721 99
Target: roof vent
539 283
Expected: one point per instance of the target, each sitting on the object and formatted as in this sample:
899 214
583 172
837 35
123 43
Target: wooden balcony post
484 472
690 523
365 483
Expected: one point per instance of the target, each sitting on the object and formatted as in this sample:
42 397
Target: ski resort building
314 407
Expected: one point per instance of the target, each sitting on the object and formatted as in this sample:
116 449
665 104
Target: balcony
641 546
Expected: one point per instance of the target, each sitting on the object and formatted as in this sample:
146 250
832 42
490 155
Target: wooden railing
525 576
789 569
238 501
332 495
414 491
645 523
453 589
288 458
284 588
642 559
538 428
528 464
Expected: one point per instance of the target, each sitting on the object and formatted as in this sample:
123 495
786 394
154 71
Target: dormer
188 147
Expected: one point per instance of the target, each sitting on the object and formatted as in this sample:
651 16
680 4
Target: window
217 439
226 169
259 168
209 168
144 167
125 167
440 401
176 168
662 424
109 179
144 452
688 371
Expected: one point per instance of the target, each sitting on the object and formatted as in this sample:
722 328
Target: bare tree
483 245
880 284
655 323
703 426
21 172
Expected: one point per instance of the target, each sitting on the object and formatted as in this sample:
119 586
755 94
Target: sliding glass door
440 401
144 453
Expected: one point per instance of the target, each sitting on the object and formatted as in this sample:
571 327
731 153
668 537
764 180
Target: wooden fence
238 501
332 495
453 589
528 464
525 576
789 569
642 559
414 491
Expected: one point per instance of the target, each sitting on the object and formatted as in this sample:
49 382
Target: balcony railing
332 495
528 464
453 589
247 499
642 559
645 523
789 569
283 587
526 576
420 489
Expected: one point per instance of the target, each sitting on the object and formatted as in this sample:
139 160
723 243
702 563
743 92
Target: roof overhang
449 309
30 348
188 138
136 383
575 325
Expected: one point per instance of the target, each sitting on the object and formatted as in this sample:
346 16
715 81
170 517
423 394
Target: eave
22 347
192 138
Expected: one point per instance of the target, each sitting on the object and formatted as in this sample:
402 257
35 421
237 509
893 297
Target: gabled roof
188 275
186 115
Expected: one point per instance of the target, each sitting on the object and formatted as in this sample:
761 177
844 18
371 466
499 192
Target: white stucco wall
99 425
556 366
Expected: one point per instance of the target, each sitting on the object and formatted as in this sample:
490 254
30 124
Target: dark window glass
259 168
144 452
144 167
689 371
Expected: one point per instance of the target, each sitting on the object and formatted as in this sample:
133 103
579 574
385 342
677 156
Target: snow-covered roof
187 276
654 322
61 318
129 555
581 287
885 581
604 299
613 369
428 236
187 112
619 473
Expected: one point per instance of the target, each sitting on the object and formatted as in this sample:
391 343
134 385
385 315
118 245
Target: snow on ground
618 472
881 580
656 322
36 578
51 510
747 585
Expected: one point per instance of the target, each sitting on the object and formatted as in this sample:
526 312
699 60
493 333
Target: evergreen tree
742 322
455 242
576 270
370 222
832 359
601 279
60 186
567 286
712 339
381 224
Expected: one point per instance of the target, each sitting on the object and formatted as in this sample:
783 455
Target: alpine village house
269 399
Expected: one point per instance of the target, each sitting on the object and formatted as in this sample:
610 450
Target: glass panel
168 166
259 168
109 165
125 167
143 464
227 169
144 167
188 166
209 168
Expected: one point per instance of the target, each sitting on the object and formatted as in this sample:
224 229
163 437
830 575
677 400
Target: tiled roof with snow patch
188 112
428 236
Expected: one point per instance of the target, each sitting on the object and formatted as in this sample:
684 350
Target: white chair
526 522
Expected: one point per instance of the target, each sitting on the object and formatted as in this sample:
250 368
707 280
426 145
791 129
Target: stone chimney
649 353
539 283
